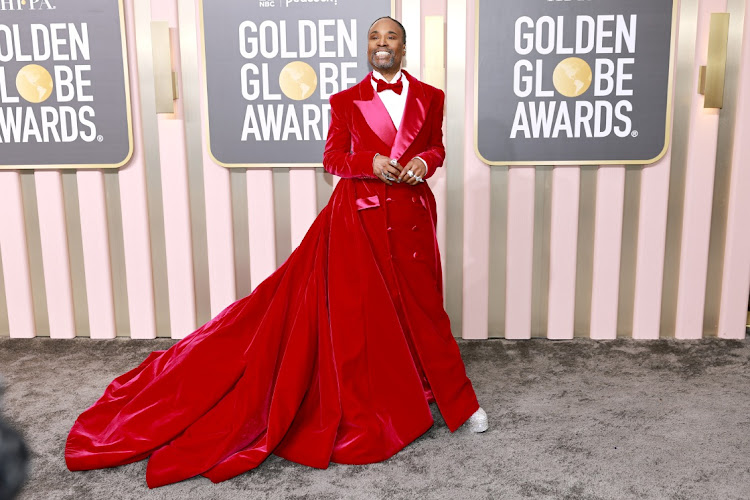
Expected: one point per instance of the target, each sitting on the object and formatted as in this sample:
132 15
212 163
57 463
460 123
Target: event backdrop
157 247
64 98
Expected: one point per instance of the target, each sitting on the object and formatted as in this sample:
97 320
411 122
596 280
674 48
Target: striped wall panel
163 244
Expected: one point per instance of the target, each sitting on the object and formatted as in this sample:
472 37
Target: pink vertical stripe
303 202
261 224
216 181
14 253
520 252
181 284
563 247
736 277
652 232
55 257
699 180
94 236
605 287
476 244
135 224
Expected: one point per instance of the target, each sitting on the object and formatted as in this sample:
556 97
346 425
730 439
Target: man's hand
384 167
417 167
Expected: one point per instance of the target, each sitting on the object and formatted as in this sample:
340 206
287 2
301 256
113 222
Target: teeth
382 53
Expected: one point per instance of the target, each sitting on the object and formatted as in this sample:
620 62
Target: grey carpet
572 419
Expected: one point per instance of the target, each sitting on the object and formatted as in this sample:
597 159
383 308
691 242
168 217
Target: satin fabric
334 358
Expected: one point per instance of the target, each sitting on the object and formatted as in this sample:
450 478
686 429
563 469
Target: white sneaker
478 421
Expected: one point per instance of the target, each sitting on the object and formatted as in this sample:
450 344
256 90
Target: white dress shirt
394 103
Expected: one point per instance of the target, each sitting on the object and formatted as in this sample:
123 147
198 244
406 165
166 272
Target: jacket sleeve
338 157
434 155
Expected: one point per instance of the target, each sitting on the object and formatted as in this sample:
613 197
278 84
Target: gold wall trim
75 253
724 167
282 214
4 324
116 240
714 76
240 232
34 246
323 188
161 44
498 250
150 136
629 251
455 107
191 104
540 263
680 136
585 254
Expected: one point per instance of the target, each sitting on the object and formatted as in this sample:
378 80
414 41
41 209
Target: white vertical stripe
519 257
14 253
96 261
605 288
563 244
652 230
54 240
261 224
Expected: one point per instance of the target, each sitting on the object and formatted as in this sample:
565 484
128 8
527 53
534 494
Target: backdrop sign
270 67
64 96
573 81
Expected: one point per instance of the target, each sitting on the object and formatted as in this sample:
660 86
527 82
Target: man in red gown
337 355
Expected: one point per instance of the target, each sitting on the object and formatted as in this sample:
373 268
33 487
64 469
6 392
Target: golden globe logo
26 5
325 44
64 50
605 36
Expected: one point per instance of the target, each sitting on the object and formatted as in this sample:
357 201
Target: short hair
403 30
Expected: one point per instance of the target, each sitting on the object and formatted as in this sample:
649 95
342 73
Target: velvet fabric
334 358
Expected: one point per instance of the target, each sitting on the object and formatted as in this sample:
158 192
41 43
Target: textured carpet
572 419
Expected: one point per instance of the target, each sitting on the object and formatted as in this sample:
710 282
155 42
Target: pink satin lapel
412 121
378 119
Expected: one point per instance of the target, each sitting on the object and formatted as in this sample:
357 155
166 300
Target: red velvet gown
333 358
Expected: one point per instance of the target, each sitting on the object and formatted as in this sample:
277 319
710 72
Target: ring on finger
410 173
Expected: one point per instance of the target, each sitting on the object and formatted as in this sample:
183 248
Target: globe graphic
298 80
34 83
572 77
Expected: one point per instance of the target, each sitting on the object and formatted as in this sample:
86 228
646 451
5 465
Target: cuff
427 167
